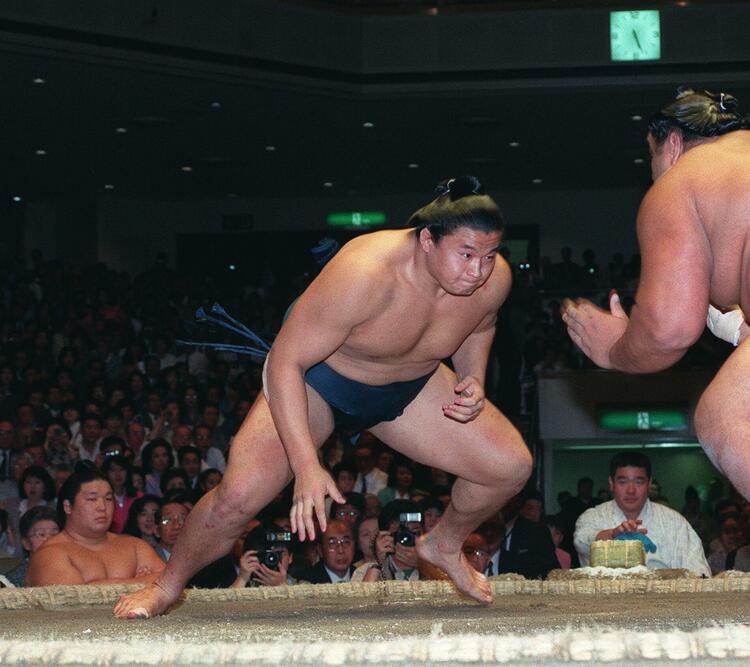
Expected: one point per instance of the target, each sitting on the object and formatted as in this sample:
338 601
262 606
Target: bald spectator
85 552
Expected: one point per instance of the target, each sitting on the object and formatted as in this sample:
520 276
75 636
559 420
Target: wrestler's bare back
712 183
406 325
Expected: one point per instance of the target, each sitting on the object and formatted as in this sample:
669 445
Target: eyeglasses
475 553
333 543
177 520
342 514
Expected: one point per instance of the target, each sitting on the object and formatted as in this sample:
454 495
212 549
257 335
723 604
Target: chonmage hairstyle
698 114
460 202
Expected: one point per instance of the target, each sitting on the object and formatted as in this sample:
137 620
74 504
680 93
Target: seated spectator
8 539
253 567
372 506
135 437
352 512
394 559
156 458
170 518
400 481
210 454
207 480
85 552
142 519
35 528
189 460
700 521
432 509
91 433
369 478
384 458
526 547
344 474
173 480
477 552
532 506
631 511
36 487
336 549
730 539
58 446
556 533
119 474
366 535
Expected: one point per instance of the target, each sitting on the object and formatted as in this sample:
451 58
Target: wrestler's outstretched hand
310 490
469 400
593 329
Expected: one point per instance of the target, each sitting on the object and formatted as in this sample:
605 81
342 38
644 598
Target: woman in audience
120 475
142 519
156 458
35 488
400 481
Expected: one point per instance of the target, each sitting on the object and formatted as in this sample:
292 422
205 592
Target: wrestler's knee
509 462
709 422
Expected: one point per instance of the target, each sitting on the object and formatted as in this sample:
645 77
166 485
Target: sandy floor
309 620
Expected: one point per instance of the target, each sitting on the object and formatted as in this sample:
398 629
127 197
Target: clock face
635 35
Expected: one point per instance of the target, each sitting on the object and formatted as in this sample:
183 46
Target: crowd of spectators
91 377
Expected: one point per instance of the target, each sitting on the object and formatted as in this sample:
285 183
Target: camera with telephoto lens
270 557
404 536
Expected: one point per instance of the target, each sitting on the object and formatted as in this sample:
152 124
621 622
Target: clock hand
637 41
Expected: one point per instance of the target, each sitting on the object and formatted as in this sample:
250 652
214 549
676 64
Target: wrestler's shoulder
368 255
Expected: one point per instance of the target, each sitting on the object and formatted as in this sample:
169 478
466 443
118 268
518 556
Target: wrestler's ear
67 507
675 146
425 239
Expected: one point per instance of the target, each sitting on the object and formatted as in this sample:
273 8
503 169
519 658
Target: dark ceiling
571 135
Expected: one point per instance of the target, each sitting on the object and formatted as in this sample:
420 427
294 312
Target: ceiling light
514 144
413 165
121 130
536 181
638 160
216 105
16 199
328 184
368 124
109 186
636 117
270 148
40 151
186 167
39 79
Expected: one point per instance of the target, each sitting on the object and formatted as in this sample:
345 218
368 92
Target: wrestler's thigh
257 455
478 450
724 403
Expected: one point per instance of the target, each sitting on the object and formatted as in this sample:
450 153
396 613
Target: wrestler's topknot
460 202
698 114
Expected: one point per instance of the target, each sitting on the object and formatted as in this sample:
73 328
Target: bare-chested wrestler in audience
694 233
362 348
85 552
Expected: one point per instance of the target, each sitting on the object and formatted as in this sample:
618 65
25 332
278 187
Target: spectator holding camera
265 559
58 445
400 523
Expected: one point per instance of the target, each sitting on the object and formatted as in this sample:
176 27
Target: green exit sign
643 420
356 219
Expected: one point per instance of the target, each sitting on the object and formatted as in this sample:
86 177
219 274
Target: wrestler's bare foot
466 578
150 601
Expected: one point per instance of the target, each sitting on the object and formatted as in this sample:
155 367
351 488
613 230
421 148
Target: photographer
400 525
265 559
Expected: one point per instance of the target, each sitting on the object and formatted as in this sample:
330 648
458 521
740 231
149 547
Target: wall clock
635 35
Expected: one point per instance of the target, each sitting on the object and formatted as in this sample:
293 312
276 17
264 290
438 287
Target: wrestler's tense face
629 488
463 261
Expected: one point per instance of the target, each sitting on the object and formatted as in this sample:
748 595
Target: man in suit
527 546
336 549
